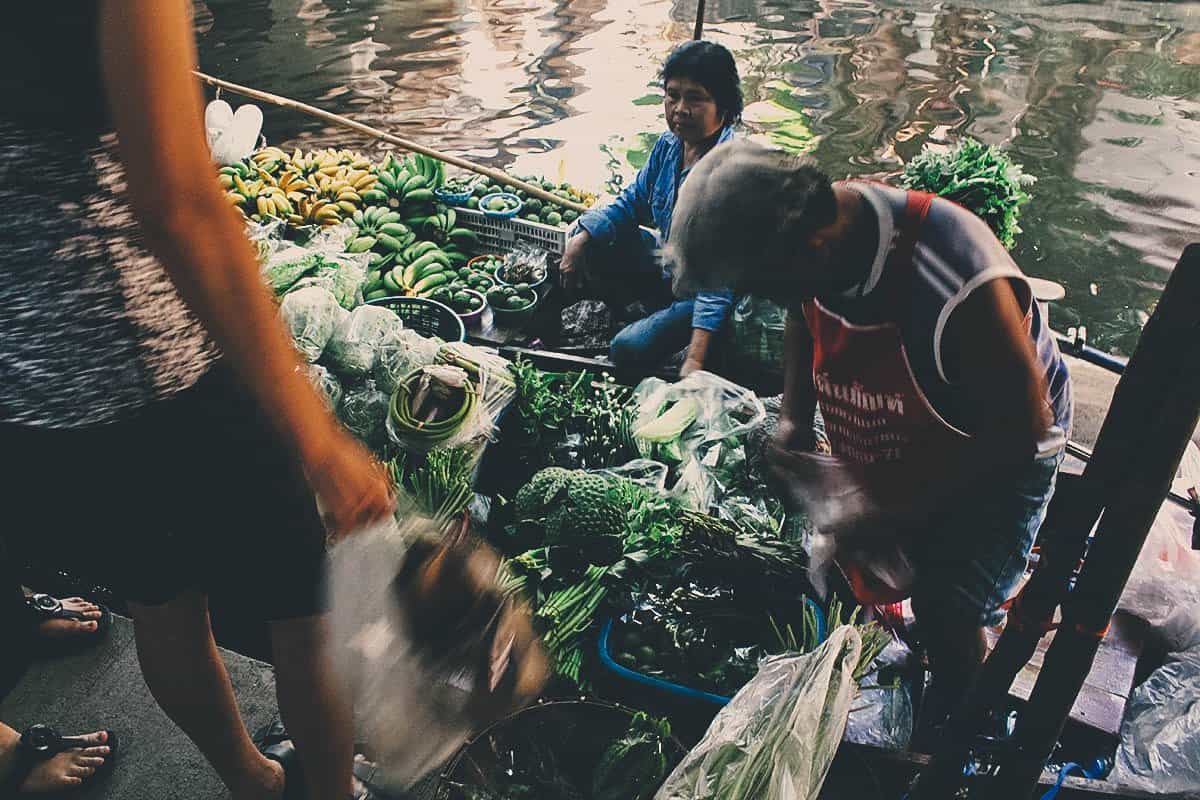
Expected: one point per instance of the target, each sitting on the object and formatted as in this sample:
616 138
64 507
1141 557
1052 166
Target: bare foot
58 629
68 769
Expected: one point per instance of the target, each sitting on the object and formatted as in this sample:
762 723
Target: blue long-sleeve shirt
651 199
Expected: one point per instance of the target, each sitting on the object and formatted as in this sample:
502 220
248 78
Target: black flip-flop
41 743
274 742
44 607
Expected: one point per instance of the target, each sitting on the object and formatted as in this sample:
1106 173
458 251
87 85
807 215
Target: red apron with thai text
874 410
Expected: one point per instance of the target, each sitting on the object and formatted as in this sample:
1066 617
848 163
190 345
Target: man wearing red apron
944 397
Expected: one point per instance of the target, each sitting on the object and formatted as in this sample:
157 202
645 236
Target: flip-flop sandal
366 771
41 743
44 607
274 742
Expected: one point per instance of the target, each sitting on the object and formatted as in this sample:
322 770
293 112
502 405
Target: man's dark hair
712 66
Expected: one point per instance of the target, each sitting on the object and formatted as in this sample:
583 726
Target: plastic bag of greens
400 353
311 315
355 343
287 265
364 413
777 737
265 236
427 646
342 275
679 421
327 385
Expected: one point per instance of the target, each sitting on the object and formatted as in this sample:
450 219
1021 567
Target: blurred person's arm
795 431
147 57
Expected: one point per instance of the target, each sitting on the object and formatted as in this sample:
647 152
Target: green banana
432 257
389 217
361 245
464 238
430 282
389 281
397 229
418 196
390 242
374 197
378 294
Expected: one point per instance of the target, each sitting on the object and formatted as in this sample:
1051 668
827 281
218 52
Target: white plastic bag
232 136
1167 573
416 700
1160 732
777 737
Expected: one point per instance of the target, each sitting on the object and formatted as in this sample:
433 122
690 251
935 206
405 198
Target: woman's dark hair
712 66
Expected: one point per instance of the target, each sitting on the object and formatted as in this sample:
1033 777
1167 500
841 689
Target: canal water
1099 101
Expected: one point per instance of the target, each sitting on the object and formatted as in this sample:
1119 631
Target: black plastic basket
426 317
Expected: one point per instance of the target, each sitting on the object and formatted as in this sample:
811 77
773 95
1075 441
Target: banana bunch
417 269
441 228
271 160
342 190
409 182
382 231
260 200
351 159
242 169
314 165
314 211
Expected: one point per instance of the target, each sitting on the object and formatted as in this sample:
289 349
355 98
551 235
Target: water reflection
1100 101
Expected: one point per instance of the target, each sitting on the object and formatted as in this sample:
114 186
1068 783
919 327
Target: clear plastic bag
311 316
401 352
710 455
354 345
1160 732
777 737
423 669
758 327
487 380
327 384
526 263
1167 573
364 412
882 715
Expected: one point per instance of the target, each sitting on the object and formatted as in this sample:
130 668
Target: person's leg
627 271
652 340
185 674
969 568
314 711
66 770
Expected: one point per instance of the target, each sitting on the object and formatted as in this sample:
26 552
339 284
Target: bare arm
799 396
148 57
697 352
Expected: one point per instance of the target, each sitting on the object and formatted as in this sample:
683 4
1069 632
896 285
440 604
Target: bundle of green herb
979 177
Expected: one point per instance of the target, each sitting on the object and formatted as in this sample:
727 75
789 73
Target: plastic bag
364 412
777 737
882 713
354 345
487 382
1160 732
758 334
423 672
710 454
232 136
525 264
327 385
401 352
311 315
1167 573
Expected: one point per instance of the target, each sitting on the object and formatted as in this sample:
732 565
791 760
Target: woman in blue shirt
609 256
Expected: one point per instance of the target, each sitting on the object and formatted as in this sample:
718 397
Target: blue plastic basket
452 198
501 214
675 690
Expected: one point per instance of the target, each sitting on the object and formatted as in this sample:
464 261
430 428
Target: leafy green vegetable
633 766
979 177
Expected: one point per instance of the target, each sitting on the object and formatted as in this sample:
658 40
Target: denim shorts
970 560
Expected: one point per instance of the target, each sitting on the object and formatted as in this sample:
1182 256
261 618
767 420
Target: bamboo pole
698 33
383 136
